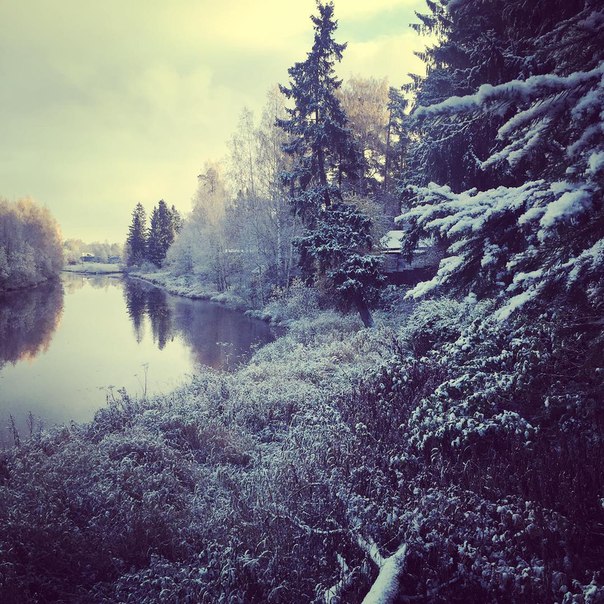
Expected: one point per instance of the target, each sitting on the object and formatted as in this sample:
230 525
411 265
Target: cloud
106 104
388 56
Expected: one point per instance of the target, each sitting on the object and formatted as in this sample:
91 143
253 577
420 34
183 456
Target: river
66 346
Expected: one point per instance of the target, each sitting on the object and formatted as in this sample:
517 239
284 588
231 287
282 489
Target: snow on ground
189 286
94 268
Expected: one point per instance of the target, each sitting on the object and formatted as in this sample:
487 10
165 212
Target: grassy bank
189 286
295 478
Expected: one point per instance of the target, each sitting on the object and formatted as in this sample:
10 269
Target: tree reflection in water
28 320
160 315
136 305
218 337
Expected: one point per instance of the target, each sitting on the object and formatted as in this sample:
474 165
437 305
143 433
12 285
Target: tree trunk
386 586
364 312
387 159
321 168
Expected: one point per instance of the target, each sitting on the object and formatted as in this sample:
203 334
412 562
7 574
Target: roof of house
392 240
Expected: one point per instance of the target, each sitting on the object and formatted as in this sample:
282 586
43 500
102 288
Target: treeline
252 212
30 244
151 243
102 251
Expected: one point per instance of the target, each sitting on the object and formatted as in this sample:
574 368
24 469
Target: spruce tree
540 238
161 233
136 243
177 221
324 161
319 139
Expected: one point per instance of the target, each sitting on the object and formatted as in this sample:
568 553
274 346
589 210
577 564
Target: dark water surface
65 346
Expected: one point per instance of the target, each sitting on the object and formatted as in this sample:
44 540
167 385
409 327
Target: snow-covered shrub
325 322
434 322
296 302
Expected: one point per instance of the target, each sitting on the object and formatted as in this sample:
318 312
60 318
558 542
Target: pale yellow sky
104 104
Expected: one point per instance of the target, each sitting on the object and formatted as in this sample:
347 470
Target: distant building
423 263
87 257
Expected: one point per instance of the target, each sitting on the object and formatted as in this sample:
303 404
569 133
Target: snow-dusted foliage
538 239
337 248
30 244
461 468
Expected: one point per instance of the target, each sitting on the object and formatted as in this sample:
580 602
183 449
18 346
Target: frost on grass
292 477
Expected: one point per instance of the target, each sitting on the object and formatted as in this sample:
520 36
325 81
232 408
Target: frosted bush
296 302
434 322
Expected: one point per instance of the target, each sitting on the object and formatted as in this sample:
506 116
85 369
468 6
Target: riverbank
300 475
94 268
191 286
187 286
283 308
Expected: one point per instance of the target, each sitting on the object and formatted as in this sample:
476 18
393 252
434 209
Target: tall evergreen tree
176 220
161 233
324 157
397 145
136 243
319 139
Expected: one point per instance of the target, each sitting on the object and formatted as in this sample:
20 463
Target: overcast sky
104 104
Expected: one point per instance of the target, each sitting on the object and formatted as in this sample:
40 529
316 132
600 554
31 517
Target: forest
442 442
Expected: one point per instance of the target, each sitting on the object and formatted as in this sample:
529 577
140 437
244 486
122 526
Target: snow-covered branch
515 90
385 588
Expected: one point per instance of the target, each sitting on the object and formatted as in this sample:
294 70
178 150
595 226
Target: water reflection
62 349
136 305
28 320
160 315
72 282
218 337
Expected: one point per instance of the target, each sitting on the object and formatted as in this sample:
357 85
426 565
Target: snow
516 89
586 137
385 588
567 206
595 163
393 240
589 103
521 277
521 147
491 254
590 259
515 303
447 267
593 22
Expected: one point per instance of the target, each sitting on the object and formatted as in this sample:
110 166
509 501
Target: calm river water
65 346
